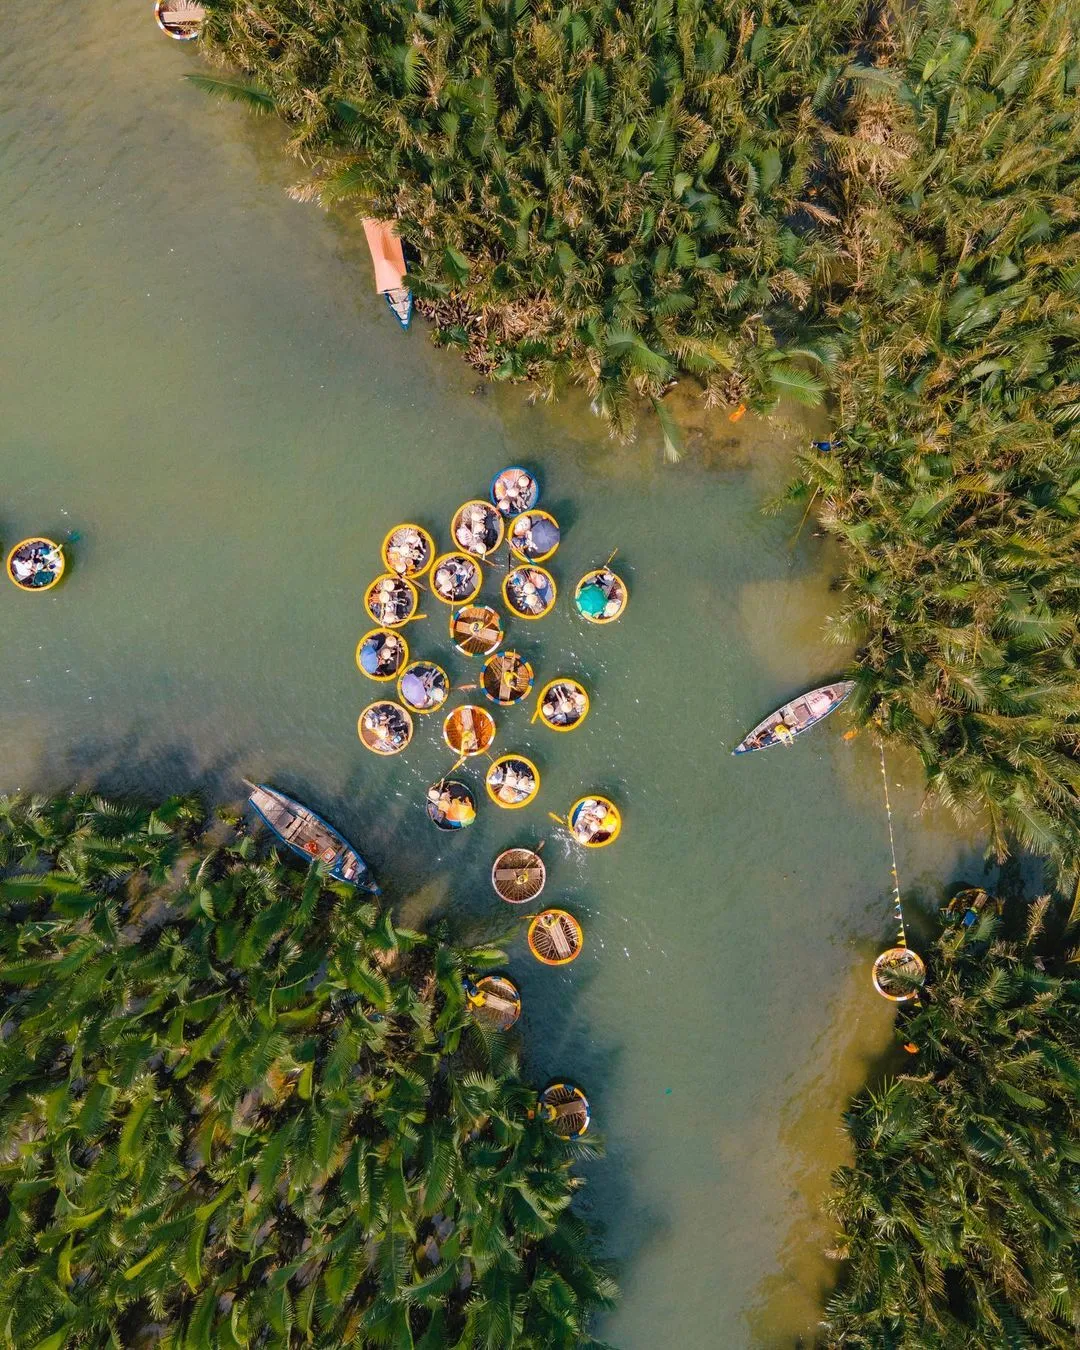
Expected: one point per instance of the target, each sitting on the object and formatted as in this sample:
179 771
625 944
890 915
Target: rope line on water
898 912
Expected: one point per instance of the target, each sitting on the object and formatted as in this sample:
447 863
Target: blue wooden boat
307 834
400 303
782 726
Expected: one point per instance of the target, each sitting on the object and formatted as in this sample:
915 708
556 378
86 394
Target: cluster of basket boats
510 518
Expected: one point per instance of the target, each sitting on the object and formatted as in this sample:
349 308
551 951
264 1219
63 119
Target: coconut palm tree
240 1105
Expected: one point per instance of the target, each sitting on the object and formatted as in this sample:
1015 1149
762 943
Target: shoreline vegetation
871 204
240 1107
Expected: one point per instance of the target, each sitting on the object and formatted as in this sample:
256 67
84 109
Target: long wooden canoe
388 258
299 828
802 713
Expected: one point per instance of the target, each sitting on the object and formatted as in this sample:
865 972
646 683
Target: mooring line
899 913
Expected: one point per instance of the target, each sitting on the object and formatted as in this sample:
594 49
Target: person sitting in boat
387 726
476 531
535 535
391 600
512 781
515 491
407 551
594 822
447 807
423 687
564 705
456 579
531 591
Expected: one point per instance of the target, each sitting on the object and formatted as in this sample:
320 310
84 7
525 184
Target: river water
197 381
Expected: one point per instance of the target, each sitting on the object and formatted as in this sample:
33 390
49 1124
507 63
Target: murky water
197 380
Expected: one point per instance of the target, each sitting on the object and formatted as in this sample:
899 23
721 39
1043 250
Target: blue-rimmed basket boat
299 828
510 495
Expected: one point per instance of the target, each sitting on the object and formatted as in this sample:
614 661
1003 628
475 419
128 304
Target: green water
197 379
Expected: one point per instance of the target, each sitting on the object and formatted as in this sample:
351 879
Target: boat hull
796 717
348 866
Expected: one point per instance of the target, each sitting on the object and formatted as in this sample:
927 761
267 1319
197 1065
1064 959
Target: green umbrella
591 600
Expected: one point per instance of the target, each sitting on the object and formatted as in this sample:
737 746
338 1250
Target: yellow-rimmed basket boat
555 937
494 1000
514 490
534 536
450 804
180 19
594 821
899 974
391 600
529 591
563 704
408 550
381 654
601 596
566 1109
423 687
506 679
478 528
385 727
456 578
476 630
469 730
36 564
518 875
512 782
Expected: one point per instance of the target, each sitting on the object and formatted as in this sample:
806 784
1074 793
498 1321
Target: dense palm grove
611 192
960 1216
239 1108
956 487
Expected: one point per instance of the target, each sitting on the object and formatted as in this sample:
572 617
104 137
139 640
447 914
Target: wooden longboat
388 259
299 828
782 726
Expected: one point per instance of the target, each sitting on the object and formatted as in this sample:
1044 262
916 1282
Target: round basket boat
899 974
456 578
477 527
534 536
469 730
381 653
450 805
518 875
566 1109
512 782
506 678
494 1000
563 704
36 564
407 550
529 591
601 596
476 630
423 687
181 19
595 821
391 600
385 727
555 937
514 490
